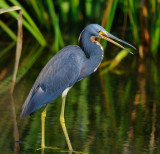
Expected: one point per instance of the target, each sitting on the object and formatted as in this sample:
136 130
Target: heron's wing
52 81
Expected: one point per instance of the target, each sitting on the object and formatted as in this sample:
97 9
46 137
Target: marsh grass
19 41
50 16
17 59
40 16
53 16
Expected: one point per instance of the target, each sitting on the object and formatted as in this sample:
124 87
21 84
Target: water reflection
139 100
113 113
15 128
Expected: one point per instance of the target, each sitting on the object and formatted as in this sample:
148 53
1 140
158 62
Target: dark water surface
111 113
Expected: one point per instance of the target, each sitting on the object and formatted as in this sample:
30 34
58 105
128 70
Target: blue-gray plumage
61 72
67 67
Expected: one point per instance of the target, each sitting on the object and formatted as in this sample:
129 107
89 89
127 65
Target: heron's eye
98 31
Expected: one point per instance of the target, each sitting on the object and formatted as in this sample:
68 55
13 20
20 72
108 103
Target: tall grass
133 15
53 17
19 40
28 22
145 22
8 30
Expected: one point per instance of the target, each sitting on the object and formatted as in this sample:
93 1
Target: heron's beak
109 37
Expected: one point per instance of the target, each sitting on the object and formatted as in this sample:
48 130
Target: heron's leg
43 116
62 121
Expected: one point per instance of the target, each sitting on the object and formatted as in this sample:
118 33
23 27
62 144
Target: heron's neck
94 50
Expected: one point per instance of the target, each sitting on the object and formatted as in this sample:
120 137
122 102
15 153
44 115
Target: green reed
53 17
145 22
28 22
8 30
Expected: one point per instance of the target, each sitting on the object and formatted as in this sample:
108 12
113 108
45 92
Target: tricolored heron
67 67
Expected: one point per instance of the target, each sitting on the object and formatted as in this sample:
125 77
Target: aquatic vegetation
116 110
54 16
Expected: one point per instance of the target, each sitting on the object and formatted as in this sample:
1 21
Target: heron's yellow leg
43 116
62 121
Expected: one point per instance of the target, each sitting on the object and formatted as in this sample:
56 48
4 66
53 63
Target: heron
68 66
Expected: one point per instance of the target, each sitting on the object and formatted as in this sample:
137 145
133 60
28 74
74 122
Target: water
117 112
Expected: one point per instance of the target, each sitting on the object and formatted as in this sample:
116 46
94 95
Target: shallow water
109 113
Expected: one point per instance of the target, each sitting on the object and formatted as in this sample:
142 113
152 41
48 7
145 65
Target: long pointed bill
109 37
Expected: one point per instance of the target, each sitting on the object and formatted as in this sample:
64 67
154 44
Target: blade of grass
37 10
132 11
18 50
6 10
108 15
19 42
55 23
64 9
74 10
8 31
41 14
155 38
29 19
3 4
120 56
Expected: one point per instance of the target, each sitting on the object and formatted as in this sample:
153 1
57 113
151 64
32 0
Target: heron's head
98 31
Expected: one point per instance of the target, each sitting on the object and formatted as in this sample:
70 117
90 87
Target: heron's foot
45 147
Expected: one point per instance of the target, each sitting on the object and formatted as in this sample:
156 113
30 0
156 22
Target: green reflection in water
119 115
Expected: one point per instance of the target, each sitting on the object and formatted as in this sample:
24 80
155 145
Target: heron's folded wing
51 82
